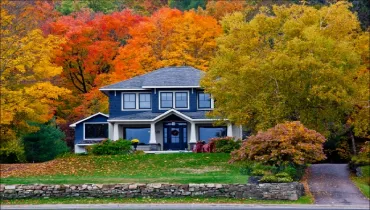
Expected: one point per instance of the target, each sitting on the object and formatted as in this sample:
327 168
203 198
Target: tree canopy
294 63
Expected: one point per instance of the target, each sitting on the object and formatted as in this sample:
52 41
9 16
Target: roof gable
168 77
87 118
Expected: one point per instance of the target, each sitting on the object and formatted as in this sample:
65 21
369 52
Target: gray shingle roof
150 115
168 76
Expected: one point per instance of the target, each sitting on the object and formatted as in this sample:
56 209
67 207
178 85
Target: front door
175 136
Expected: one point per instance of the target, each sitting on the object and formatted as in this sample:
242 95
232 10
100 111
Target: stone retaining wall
266 191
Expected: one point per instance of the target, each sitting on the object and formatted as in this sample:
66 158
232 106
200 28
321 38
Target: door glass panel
175 135
165 135
184 133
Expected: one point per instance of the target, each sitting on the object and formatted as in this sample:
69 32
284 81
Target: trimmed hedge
109 147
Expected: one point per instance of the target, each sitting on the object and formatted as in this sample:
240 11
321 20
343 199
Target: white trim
84 138
167 113
125 89
229 131
193 135
173 99
152 138
170 86
145 120
115 132
74 124
137 98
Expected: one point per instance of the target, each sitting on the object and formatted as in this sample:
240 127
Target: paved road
183 206
330 184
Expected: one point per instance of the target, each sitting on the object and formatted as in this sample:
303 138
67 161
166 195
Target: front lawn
149 168
363 183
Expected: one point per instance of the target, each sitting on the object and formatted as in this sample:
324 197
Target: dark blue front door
175 136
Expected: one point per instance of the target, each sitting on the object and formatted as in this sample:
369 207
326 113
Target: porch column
110 130
152 139
229 129
193 136
115 132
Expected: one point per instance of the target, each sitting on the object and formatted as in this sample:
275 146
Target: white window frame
173 99
137 98
212 102
84 136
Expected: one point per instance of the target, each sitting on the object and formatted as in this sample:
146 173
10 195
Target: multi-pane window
204 101
96 131
208 132
144 101
166 100
129 101
181 100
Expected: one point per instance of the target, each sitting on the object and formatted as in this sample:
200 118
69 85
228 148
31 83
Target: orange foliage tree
93 40
218 9
168 38
285 143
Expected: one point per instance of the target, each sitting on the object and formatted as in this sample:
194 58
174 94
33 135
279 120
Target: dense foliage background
56 54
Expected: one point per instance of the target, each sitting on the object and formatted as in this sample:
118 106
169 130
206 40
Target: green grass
302 200
363 183
165 168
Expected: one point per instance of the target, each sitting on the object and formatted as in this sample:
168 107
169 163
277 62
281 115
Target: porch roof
150 116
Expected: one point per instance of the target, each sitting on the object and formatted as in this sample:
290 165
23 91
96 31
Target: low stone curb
266 191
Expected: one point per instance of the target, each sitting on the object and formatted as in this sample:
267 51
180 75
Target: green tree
45 144
294 63
67 7
187 4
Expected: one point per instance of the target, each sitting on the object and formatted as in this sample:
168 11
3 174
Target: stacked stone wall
267 191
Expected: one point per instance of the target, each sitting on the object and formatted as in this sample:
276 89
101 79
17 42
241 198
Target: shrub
258 172
109 147
275 179
224 144
282 175
285 143
11 151
45 144
363 157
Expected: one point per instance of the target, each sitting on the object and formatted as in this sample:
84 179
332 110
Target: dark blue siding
115 102
79 127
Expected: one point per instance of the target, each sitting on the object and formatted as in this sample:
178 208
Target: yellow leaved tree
294 63
27 71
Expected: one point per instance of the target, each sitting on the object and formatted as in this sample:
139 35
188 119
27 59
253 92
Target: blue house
165 109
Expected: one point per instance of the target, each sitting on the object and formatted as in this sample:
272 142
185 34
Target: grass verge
363 183
302 200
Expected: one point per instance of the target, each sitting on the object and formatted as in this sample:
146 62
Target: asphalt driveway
330 184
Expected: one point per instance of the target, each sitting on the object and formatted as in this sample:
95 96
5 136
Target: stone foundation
266 191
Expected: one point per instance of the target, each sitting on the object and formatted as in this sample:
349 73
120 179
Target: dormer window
204 101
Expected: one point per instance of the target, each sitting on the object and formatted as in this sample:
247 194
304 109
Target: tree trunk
353 142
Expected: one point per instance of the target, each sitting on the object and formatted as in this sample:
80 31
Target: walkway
330 184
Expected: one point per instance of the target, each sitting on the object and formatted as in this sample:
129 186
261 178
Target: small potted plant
135 142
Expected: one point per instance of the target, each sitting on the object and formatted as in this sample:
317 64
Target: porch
173 131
